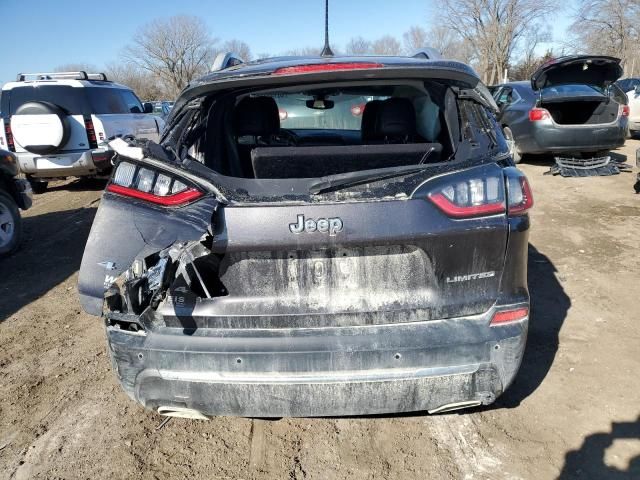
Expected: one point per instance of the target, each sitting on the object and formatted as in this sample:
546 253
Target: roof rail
81 75
225 60
427 53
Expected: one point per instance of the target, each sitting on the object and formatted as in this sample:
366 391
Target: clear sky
41 34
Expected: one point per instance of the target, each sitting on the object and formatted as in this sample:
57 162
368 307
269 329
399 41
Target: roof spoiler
81 75
427 53
225 60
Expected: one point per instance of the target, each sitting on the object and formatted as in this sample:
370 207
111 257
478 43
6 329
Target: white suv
58 124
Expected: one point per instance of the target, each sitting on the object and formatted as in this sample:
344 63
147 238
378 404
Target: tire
508 135
10 225
37 186
40 127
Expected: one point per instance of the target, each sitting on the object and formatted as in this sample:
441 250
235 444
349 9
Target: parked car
57 124
631 86
569 107
373 266
162 109
15 194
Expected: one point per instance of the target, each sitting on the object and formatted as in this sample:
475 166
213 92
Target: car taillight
519 196
7 133
472 197
327 67
507 316
624 110
357 110
91 132
537 114
146 184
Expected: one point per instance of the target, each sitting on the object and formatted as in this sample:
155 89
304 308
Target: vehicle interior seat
256 122
390 121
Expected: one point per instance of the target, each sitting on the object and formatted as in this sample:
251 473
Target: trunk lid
598 71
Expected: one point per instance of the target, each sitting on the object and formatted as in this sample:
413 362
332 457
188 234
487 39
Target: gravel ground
573 412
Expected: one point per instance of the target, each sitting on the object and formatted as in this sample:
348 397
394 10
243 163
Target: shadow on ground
79 185
51 252
588 462
549 307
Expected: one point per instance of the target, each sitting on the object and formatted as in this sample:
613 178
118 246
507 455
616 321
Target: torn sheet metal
587 167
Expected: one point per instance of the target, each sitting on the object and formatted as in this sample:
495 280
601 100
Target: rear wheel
508 135
10 225
37 186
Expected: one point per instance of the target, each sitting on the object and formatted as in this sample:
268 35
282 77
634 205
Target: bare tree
146 85
176 50
239 48
305 52
76 67
415 38
608 27
386 45
358 46
495 28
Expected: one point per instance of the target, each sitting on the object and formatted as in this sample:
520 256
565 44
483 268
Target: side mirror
148 107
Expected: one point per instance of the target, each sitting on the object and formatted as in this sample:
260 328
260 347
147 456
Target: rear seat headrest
256 116
369 117
396 118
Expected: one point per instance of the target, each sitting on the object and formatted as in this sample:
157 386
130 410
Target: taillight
519 196
472 197
7 133
624 110
327 67
150 185
507 316
357 110
91 132
537 114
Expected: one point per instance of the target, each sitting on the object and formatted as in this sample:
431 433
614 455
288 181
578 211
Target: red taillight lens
186 196
357 110
473 197
7 133
537 114
150 185
327 67
508 316
624 110
520 198
91 132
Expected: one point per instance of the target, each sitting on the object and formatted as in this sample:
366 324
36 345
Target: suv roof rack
225 60
427 53
81 75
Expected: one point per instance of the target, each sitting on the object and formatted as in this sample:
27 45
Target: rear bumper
64 164
321 371
547 137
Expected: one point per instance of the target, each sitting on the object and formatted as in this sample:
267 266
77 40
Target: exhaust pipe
182 412
449 407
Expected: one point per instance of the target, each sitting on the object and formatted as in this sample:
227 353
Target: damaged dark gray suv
370 259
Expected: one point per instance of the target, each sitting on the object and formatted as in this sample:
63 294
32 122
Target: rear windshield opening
310 132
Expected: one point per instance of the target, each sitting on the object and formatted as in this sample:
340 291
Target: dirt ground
573 412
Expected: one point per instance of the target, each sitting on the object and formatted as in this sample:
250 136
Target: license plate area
52 163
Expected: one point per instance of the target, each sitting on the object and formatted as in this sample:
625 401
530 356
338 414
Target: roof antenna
326 51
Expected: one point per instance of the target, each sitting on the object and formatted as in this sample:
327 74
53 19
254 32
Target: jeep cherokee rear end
370 260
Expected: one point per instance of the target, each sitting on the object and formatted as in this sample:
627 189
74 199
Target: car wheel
508 135
38 186
10 225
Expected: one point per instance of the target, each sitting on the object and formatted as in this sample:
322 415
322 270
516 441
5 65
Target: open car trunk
582 111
